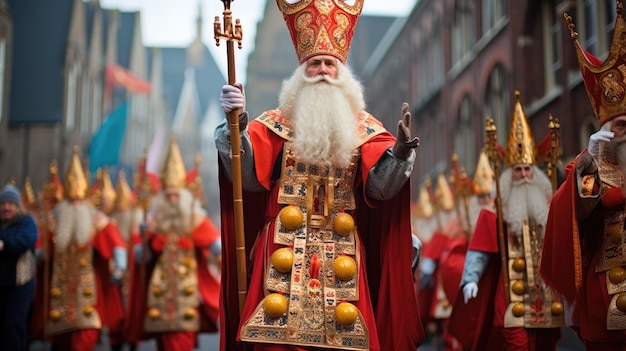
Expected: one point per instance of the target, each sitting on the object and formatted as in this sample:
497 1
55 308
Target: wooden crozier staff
494 158
231 36
553 157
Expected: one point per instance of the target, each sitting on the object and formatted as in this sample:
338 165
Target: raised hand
404 142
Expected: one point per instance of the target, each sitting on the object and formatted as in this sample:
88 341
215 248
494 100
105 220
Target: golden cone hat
520 144
482 182
124 198
53 190
443 194
173 169
423 207
75 183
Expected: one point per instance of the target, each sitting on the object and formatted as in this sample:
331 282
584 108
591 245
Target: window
462 30
465 143
497 102
552 44
2 69
595 23
492 12
72 87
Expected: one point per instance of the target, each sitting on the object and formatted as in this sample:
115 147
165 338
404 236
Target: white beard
525 199
128 221
74 222
323 115
179 217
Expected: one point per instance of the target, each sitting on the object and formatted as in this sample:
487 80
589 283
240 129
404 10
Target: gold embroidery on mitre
75 183
520 144
321 27
605 82
173 170
483 175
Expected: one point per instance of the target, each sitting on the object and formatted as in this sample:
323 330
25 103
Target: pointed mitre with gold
443 194
423 208
75 183
520 144
53 190
28 195
173 169
124 198
483 175
103 188
321 27
605 81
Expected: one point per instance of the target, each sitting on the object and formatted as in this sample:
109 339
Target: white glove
594 141
232 98
469 291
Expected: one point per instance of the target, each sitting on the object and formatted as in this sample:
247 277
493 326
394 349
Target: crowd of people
334 255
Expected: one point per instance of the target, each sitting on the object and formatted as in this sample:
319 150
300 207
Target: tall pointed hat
605 81
173 170
520 144
483 175
321 27
75 183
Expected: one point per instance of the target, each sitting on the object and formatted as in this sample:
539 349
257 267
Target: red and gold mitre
103 188
605 81
75 183
173 170
483 175
124 199
53 190
443 193
321 27
520 144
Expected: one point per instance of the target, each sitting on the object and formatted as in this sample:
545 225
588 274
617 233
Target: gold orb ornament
345 267
291 217
346 314
617 275
518 309
343 224
154 313
282 259
190 313
615 232
556 308
87 292
621 302
519 265
88 311
55 314
55 292
518 287
275 305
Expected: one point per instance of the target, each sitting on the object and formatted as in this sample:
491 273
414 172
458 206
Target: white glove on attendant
594 141
469 291
233 97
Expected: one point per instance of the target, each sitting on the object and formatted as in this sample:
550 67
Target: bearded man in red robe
327 208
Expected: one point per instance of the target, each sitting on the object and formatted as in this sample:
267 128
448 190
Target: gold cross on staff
227 34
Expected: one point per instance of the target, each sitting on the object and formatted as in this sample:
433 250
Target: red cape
384 228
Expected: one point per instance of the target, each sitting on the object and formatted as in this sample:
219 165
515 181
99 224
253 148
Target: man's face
321 65
619 126
522 171
172 195
8 210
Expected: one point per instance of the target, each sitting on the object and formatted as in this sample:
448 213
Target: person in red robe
526 316
182 296
583 255
326 209
80 249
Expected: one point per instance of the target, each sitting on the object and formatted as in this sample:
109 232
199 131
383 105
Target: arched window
464 140
497 102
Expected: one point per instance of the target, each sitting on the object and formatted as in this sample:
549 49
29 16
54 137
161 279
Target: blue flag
106 143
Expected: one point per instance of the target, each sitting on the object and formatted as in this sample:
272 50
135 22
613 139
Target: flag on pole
106 143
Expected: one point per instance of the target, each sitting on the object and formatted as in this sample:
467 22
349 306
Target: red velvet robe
570 254
384 229
203 236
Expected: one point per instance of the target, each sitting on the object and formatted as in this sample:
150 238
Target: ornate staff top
227 34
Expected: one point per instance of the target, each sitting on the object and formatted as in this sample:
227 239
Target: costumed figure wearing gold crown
182 296
110 259
502 292
325 186
435 304
584 256
75 306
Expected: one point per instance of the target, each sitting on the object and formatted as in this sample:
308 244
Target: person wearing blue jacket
18 234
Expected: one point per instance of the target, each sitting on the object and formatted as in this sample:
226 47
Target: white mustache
321 78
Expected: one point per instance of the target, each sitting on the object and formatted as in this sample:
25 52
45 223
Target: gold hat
483 175
443 194
75 183
321 27
103 189
604 81
124 198
173 170
28 195
423 207
53 190
520 144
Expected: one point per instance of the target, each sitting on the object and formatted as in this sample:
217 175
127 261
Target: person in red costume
182 294
583 254
326 203
527 315
80 250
